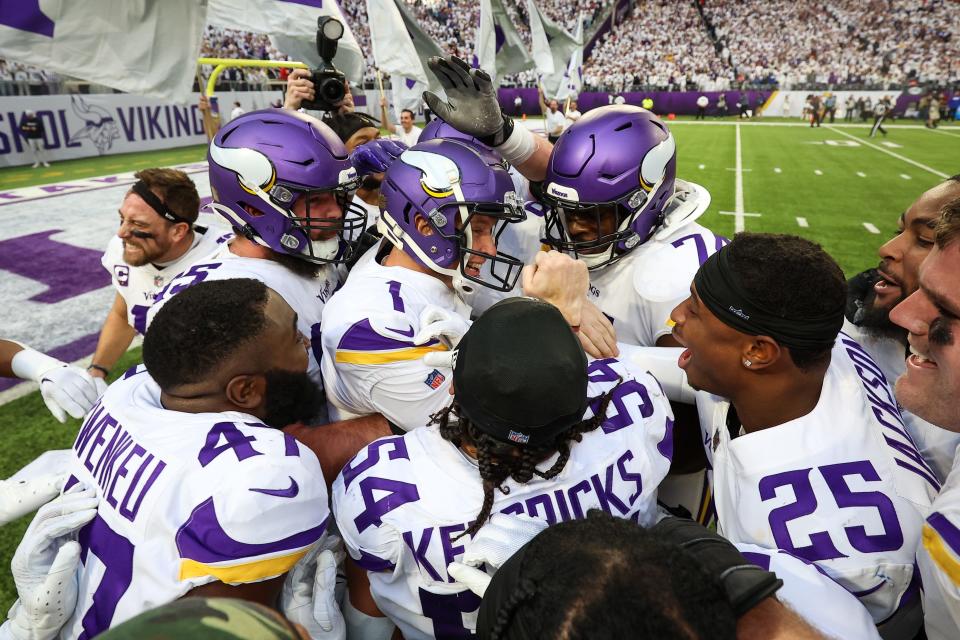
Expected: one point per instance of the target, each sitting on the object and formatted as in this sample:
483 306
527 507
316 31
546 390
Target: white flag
407 94
292 27
500 49
393 50
572 80
423 44
539 42
138 46
555 43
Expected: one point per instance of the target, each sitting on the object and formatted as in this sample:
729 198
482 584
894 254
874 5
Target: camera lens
332 90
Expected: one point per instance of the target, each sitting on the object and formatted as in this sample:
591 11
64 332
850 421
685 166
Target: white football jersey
639 291
304 294
370 362
401 503
842 486
185 500
810 592
939 561
138 285
936 445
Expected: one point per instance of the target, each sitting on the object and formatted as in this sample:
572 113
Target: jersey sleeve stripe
241 573
361 336
940 553
386 357
946 529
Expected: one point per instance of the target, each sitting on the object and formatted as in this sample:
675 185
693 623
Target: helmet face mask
619 189
452 187
267 170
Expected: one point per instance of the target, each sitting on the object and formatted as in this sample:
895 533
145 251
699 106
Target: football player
199 493
284 182
893 280
929 388
158 239
533 429
806 446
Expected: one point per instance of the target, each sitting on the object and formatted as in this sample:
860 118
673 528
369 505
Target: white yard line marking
861 174
738 213
891 153
739 169
946 133
701 166
891 145
802 222
905 176
869 227
818 172
777 170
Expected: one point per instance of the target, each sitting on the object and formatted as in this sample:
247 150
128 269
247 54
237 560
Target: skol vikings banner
78 126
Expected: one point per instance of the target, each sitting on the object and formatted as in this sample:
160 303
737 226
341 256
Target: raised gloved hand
376 156
471 106
745 584
447 326
44 566
498 539
309 596
65 389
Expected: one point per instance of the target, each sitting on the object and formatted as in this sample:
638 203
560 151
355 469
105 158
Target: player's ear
423 227
247 392
179 231
762 352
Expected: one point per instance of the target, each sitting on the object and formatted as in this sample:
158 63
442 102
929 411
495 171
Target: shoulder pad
689 202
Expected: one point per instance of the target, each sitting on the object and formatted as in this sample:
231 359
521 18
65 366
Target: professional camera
328 83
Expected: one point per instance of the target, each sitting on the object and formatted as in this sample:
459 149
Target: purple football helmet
444 184
616 164
268 167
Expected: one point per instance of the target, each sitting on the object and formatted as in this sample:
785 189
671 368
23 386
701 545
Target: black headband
719 288
141 189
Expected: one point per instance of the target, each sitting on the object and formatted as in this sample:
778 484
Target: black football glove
745 584
471 106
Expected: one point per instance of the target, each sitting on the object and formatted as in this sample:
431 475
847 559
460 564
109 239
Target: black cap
520 373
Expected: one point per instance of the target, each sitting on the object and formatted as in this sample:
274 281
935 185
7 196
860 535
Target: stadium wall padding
84 125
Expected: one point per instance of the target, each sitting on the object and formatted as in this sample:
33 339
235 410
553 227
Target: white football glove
438 323
20 497
309 592
44 566
498 539
65 389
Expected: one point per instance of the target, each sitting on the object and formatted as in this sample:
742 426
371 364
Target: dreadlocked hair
499 460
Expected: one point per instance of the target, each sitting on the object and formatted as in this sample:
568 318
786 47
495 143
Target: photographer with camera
324 88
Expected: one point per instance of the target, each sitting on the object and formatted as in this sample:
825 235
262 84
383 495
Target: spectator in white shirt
572 114
407 132
237 111
554 120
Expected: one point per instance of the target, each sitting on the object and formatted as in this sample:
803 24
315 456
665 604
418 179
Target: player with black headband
157 240
808 451
534 430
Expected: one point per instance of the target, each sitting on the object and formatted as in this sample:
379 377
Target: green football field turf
833 185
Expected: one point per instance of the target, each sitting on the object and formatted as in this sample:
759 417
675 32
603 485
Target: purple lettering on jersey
109 459
698 242
398 451
450 549
601 371
116 554
158 468
821 547
514 509
628 393
628 476
419 551
562 506
581 487
98 438
235 441
290 447
665 446
203 539
90 423
544 500
398 493
446 611
835 476
395 296
762 560
605 493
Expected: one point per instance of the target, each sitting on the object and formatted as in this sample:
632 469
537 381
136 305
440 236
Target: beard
290 397
142 257
297 265
371 182
867 314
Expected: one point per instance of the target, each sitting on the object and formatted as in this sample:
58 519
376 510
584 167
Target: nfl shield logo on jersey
434 379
